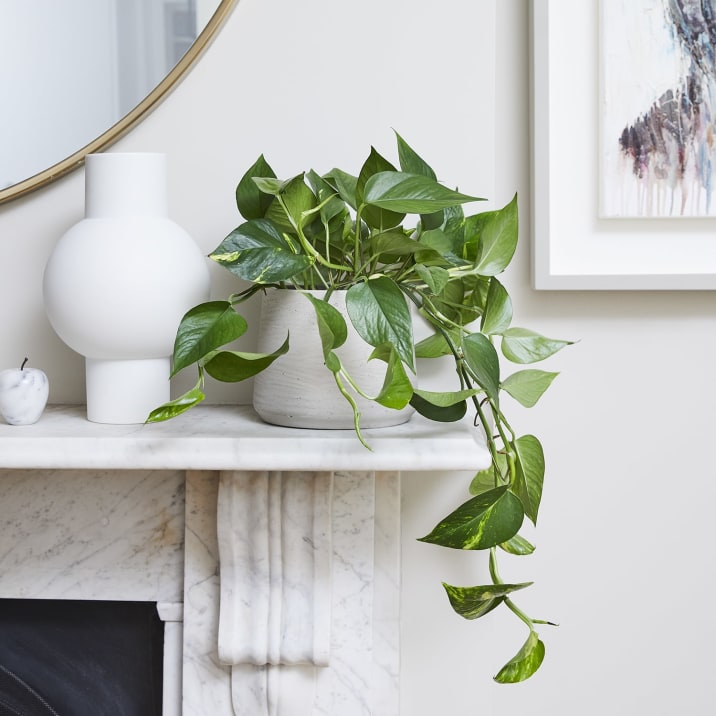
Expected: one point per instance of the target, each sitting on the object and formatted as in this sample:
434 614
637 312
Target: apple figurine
23 394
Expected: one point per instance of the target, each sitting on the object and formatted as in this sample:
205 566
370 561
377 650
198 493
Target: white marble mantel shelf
233 438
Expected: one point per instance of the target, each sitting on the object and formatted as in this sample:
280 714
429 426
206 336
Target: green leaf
411 193
270 185
345 184
440 414
485 480
379 313
498 240
432 221
375 216
203 329
518 546
530 474
397 389
390 245
527 386
520 345
410 161
334 205
256 251
296 200
484 521
443 407
450 302
481 357
498 309
475 602
435 277
433 346
454 227
178 406
440 244
445 399
234 366
250 200
524 664
332 326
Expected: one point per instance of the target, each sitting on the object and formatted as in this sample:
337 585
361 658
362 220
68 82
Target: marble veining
98 535
302 555
275 555
234 438
206 682
310 592
23 395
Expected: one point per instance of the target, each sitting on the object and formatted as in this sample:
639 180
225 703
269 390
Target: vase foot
124 392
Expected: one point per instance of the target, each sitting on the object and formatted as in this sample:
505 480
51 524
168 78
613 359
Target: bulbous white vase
118 283
297 390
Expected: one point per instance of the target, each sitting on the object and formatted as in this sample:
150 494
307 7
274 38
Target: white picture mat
572 247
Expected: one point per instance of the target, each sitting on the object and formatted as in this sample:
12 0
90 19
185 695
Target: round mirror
78 74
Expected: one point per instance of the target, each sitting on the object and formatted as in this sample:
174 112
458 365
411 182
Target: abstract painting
658 108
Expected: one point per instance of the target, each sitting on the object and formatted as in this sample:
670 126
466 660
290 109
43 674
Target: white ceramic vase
118 283
297 390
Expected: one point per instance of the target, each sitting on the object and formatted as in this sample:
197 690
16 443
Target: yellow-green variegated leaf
256 251
484 521
475 602
518 546
524 664
177 406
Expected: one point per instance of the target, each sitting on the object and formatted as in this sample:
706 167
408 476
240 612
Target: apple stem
22 367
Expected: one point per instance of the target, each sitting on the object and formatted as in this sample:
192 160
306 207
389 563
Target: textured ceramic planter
297 390
118 283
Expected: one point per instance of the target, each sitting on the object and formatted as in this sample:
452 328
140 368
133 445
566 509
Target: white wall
624 558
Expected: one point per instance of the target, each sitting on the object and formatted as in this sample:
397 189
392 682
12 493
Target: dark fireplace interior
80 658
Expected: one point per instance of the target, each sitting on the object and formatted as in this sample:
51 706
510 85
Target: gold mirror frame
120 128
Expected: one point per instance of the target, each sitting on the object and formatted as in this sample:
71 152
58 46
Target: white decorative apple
23 394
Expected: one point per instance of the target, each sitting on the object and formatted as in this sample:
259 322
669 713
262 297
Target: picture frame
573 248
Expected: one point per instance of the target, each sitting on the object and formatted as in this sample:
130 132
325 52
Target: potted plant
342 232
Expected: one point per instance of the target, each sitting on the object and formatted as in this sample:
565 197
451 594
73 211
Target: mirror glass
77 74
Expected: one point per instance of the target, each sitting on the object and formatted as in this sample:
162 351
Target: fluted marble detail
123 534
310 579
275 553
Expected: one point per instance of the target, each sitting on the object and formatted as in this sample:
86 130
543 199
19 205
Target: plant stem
357 253
496 579
519 613
306 244
354 406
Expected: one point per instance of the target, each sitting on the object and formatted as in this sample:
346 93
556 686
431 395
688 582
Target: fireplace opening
80 658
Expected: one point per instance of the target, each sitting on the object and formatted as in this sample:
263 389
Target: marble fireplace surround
273 554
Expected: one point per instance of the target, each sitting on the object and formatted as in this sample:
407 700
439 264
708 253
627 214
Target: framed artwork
624 144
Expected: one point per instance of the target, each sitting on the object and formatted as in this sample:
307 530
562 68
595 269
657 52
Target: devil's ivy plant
341 231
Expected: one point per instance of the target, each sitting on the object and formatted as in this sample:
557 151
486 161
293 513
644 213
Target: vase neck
120 184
